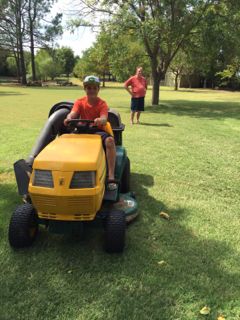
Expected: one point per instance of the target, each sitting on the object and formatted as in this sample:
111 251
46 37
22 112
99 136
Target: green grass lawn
185 160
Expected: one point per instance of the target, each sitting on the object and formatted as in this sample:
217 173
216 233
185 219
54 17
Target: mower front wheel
23 227
115 231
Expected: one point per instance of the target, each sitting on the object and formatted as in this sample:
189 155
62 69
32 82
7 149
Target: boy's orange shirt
87 111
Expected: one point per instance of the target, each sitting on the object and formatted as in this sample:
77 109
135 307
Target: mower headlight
83 179
43 178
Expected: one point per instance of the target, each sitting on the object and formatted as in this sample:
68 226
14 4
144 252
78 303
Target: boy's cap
92 80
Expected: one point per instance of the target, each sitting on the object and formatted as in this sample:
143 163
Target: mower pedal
111 195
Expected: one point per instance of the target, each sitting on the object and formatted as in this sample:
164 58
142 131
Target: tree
126 53
182 65
113 53
12 31
46 66
21 27
65 57
87 64
39 33
163 26
230 77
214 45
12 67
3 61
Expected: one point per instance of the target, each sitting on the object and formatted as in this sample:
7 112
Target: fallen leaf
162 262
164 215
31 276
69 271
221 318
205 310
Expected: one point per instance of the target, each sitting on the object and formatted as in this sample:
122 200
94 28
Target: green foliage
53 30
11 65
114 52
230 77
3 62
95 60
163 27
65 57
23 24
87 64
215 42
126 54
46 66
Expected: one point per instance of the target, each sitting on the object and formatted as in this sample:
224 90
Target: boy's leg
111 157
110 149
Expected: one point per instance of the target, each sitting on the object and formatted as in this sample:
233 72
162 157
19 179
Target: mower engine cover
68 178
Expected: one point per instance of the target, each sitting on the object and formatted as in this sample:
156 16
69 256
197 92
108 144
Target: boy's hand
65 122
99 121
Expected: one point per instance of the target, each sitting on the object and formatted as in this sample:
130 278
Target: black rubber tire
115 227
23 227
125 180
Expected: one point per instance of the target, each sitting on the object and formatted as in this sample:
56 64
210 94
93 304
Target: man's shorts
104 135
137 104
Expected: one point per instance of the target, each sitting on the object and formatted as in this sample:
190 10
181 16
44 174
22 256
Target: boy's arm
101 121
103 116
71 115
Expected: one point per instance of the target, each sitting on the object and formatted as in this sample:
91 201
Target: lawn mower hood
69 176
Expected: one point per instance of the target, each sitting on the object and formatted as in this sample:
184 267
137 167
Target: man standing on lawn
138 90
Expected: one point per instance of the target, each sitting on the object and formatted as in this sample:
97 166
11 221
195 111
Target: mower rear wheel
125 180
115 231
23 227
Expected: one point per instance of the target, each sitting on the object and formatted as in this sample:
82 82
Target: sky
82 38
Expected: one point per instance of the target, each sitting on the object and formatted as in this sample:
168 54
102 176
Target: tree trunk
22 64
156 90
189 81
205 83
103 82
176 82
16 57
31 18
19 34
32 53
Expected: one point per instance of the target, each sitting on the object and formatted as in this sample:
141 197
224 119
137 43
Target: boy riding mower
63 183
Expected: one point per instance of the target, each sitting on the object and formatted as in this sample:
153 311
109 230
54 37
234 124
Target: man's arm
126 86
128 90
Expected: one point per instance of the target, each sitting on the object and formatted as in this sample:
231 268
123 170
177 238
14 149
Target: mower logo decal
61 181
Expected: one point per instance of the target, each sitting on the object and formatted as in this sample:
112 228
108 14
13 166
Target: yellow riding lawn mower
64 183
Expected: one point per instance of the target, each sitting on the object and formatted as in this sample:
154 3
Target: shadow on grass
11 93
58 88
156 124
60 278
197 90
198 109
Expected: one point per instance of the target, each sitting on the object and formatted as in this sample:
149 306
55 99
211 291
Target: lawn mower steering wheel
81 125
